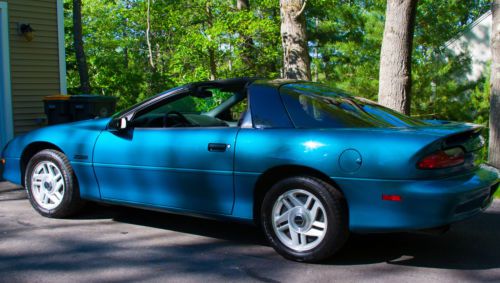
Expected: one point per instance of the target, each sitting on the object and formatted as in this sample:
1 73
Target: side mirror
119 124
123 124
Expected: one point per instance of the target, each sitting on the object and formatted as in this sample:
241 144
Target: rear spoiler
466 135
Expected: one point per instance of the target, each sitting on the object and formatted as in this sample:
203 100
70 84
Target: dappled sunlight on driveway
111 243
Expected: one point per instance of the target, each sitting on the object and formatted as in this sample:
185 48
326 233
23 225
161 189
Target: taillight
443 159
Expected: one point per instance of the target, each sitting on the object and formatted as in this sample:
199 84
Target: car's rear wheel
51 185
305 218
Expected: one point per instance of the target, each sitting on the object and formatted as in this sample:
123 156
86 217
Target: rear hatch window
318 106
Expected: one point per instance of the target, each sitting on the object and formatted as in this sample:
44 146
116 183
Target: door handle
218 147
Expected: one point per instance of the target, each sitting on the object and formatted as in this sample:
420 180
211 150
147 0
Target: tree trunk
395 57
213 65
211 50
148 31
316 67
296 61
81 60
242 5
246 57
494 145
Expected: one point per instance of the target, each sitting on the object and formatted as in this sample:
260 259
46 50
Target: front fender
75 140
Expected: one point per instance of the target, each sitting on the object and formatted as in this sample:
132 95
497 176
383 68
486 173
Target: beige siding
34 65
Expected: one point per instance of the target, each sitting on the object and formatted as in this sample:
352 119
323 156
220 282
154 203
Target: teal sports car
306 162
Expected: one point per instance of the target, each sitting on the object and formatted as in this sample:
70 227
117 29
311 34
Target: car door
185 168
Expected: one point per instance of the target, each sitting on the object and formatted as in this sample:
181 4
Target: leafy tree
346 35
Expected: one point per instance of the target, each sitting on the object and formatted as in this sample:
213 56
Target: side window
189 110
267 108
234 113
310 111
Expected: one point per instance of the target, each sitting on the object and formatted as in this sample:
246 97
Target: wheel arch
275 174
32 149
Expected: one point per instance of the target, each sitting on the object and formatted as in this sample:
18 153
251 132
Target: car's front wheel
305 219
51 185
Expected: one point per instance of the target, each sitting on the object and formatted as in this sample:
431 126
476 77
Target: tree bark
81 59
494 144
395 58
242 5
211 50
296 61
148 31
213 65
316 67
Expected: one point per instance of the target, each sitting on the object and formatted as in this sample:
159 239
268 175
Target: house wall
476 40
35 64
6 129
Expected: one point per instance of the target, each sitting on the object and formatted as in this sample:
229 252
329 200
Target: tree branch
148 41
301 11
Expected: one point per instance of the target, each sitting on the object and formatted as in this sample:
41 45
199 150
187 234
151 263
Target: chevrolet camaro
306 162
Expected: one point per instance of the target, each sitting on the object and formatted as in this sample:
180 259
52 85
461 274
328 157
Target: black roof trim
231 85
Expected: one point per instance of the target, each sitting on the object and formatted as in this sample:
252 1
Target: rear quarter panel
385 154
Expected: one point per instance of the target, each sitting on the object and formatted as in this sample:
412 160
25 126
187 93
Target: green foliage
206 104
181 35
344 37
348 36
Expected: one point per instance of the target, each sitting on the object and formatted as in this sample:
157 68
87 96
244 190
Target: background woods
132 53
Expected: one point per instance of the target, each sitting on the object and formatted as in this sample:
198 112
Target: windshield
120 113
318 106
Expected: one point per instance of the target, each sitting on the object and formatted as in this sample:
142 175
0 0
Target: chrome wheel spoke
58 195
295 237
314 210
294 200
284 227
314 233
51 170
37 177
59 185
37 183
58 177
46 168
45 198
282 218
286 203
308 202
319 224
54 198
303 239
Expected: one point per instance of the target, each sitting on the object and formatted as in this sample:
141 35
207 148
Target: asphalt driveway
117 244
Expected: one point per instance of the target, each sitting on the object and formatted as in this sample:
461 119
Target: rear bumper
423 205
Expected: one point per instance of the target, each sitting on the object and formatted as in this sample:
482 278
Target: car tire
305 219
51 185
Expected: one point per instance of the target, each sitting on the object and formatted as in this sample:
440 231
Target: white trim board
62 52
7 130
